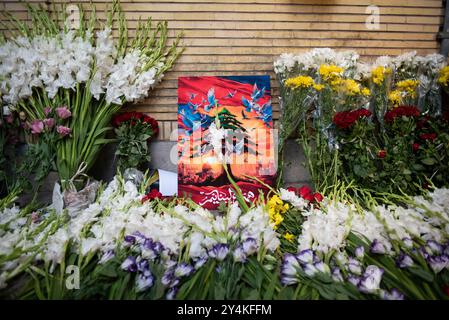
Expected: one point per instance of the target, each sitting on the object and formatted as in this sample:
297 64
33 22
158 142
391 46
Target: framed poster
225 126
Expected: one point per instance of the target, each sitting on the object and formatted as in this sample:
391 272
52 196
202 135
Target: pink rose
63 131
63 112
47 111
49 123
37 126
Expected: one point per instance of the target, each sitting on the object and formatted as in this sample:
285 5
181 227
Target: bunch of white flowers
63 61
310 61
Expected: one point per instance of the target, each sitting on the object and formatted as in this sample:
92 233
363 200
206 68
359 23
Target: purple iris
130 240
219 251
183 270
310 269
139 237
249 246
129 264
360 252
434 246
305 256
371 279
393 295
354 266
171 294
239 254
322 267
438 263
289 269
108 255
354 280
169 279
200 262
144 282
150 249
404 261
377 247
143 265
336 275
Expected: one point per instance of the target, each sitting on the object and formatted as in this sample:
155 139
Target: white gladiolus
63 61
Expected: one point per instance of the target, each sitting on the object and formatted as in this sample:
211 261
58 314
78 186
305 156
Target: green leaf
429 161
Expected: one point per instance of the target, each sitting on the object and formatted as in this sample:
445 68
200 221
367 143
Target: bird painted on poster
231 94
212 102
192 120
193 106
257 94
247 104
266 118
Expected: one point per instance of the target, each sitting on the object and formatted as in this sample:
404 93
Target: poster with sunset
224 123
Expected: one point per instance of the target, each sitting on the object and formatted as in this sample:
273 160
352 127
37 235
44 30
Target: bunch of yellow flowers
276 209
395 97
302 82
408 86
378 74
331 73
444 76
352 88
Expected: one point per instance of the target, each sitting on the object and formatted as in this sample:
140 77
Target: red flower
292 189
346 119
406 111
382 154
153 123
127 116
309 197
153 194
428 136
304 191
318 197
415 147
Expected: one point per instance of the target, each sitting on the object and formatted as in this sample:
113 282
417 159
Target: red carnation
304 191
346 119
401 111
428 136
292 189
415 147
153 194
318 197
381 154
309 197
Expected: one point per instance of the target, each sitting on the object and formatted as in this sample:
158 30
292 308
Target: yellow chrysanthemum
378 74
276 208
330 72
289 237
395 97
350 87
299 82
444 76
318 87
366 92
408 85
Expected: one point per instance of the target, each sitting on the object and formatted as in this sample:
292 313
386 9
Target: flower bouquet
133 131
49 64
